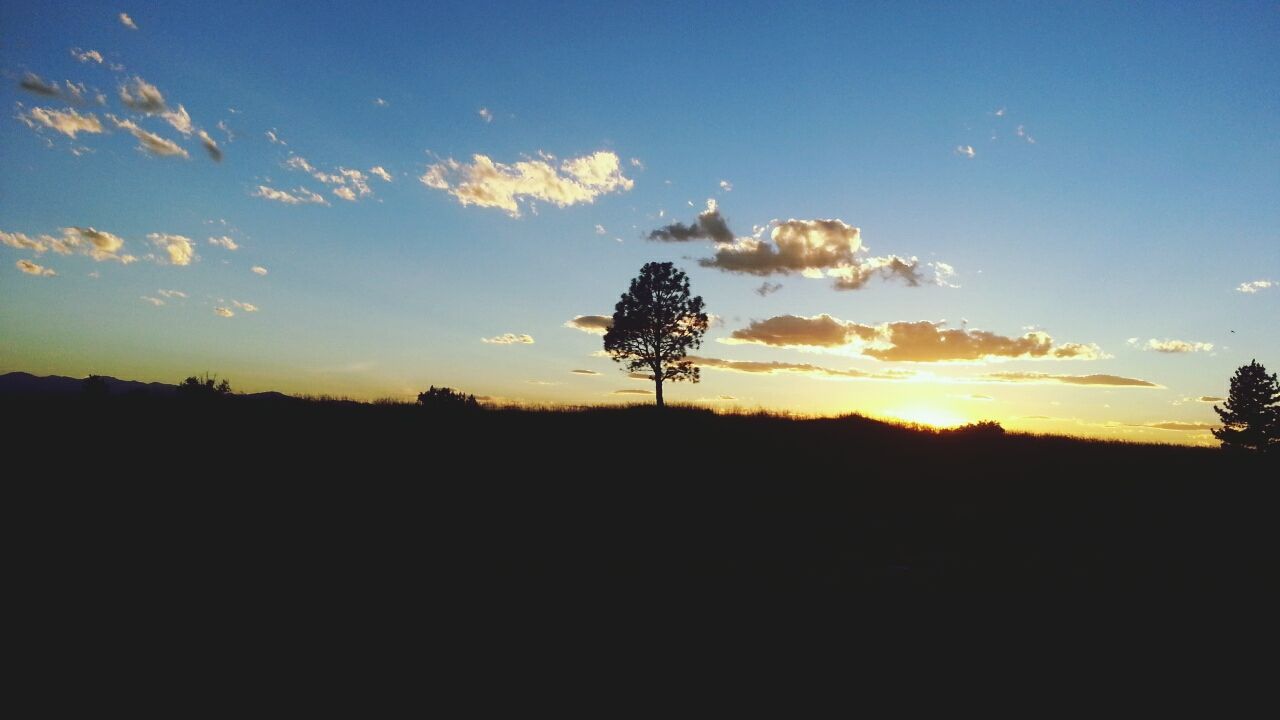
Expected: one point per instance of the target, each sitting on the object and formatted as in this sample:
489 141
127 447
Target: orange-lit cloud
774 368
299 196
127 21
258 270
68 122
31 268
149 141
921 341
178 248
485 183
224 312
1181 426
224 242
584 372
142 96
97 244
1096 380
1177 346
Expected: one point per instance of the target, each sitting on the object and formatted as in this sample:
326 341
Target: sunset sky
1065 217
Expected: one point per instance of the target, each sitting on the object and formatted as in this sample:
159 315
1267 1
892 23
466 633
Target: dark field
255 496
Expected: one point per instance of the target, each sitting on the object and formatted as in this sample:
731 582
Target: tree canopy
1251 414
655 323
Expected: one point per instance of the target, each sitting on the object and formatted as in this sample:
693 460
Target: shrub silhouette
443 398
1251 414
654 325
94 388
204 387
981 428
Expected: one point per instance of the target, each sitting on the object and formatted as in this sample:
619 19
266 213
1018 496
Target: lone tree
1251 414
654 325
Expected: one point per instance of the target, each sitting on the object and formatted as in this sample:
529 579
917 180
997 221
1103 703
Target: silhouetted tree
1251 414
204 387
654 325
444 398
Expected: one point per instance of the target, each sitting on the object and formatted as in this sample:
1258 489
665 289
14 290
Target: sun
924 415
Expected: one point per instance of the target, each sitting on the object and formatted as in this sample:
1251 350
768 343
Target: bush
444 398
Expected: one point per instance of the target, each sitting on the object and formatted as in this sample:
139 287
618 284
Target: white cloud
726 186
153 300
485 114
299 196
1256 285
509 339
68 122
21 241
259 270
345 193
601 231
224 312
224 242
148 141
247 307
1177 346
31 268
86 55
488 184
999 112
172 293
179 119
275 139
97 244
352 184
381 103
966 151
127 21
178 247
637 163
380 172
1022 133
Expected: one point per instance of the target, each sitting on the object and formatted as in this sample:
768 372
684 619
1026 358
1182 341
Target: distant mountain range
26 384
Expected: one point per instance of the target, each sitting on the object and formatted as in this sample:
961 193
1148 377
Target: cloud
300 196
20 241
224 312
86 55
719 398
350 184
247 307
380 172
224 242
1209 399
999 112
488 184
710 225
210 146
148 141
172 293
68 122
127 21
981 397
584 372
179 248
726 186
485 115
594 324
942 274
1042 378
274 139
509 339
34 84
1177 346
345 193
153 300
633 391
1256 285
179 119
921 341
767 288
31 268
381 103
601 231
965 151
97 244
1181 426
143 97
259 270
1022 133
774 368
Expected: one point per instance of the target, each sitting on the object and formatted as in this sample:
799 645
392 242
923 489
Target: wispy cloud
485 183
921 341
97 244
966 151
381 102
633 391
210 146
350 185
172 294
1255 285
767 288
259 270
33 83
1044 378
31 268
224 242
1181 426
68 122
127 21
274 139
774 368
584 372
225 312
1022 133
594 324
142 96
726 186
299 196
1209 399
380 172
509 339
155 301
485 115
149 141
86 55
246 307
1177 346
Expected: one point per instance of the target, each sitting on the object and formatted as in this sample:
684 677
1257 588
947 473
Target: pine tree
1251 414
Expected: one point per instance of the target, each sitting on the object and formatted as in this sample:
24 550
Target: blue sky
1097 172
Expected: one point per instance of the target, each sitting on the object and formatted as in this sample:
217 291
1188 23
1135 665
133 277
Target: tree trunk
658 384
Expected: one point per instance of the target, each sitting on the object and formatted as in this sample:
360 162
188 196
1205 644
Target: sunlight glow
925 415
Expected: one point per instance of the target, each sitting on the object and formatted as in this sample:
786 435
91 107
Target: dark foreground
252 498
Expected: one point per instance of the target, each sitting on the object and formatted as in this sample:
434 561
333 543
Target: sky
1060 216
